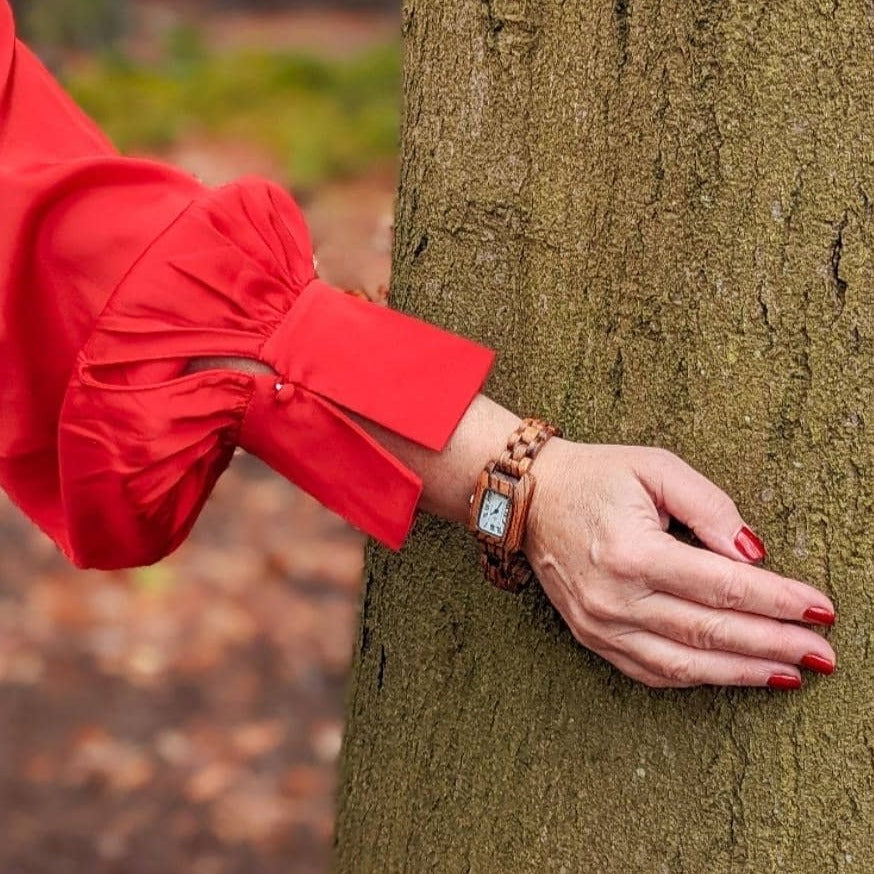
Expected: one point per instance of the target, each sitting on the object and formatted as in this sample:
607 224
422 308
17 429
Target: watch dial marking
494 513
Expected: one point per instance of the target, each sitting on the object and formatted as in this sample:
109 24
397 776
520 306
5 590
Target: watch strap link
508 572
523 445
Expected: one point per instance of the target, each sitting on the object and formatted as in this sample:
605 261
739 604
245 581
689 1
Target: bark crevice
839 284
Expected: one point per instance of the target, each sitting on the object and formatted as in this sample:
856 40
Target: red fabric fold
315 445
138 464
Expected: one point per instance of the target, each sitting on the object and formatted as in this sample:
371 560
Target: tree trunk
660 212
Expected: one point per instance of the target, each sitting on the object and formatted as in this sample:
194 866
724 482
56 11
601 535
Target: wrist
547 471
449 476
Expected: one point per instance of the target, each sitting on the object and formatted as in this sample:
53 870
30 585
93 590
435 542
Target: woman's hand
664 612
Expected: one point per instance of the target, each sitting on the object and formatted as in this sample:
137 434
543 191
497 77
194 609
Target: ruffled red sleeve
114 273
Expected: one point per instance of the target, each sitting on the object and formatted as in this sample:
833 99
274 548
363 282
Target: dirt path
185 717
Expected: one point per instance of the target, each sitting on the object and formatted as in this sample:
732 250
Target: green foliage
321 118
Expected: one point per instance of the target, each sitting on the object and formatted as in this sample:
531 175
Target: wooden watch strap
510 572
523 445
509 569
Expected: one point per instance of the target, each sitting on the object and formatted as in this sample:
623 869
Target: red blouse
114 272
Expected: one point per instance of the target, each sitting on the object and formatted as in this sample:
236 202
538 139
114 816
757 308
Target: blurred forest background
188 716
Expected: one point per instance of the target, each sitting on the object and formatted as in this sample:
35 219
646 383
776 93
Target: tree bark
660 212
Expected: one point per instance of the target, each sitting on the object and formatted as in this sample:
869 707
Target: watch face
494 513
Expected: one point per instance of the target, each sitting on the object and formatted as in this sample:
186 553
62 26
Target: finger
633 669
680 666
700 505
729 631
707 578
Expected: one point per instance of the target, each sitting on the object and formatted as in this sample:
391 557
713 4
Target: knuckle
719 505
782 645
661 462
710 633
785 604
598 605
752 675
638 565
642 673
679 672
731 590
620 562
662 456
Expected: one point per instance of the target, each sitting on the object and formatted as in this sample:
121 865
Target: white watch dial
494 513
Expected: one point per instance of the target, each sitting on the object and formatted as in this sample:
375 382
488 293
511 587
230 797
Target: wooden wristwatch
500 503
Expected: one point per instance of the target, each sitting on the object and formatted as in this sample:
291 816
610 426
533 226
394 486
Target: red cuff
334 353
410 377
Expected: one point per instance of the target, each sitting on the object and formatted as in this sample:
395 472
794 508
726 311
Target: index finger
707 578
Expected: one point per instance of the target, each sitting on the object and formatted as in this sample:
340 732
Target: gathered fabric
115 273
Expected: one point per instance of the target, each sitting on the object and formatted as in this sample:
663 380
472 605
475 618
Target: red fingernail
749 544
784 681
820 616
817 663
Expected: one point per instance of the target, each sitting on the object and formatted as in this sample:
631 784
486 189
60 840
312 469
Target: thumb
689 497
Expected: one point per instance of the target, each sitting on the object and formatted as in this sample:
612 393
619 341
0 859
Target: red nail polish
819 616
784 681
749 544
817 663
